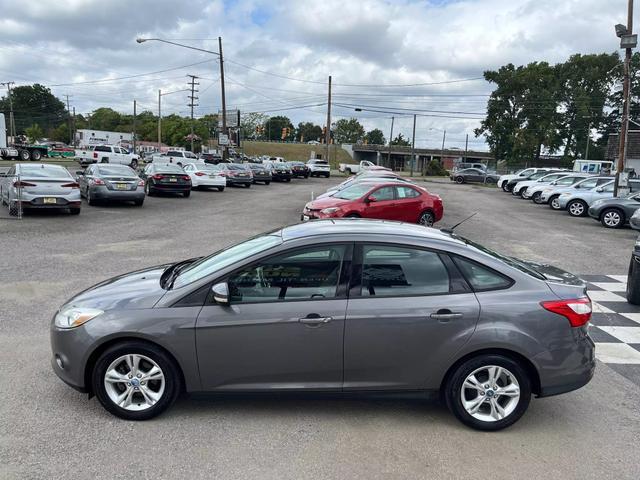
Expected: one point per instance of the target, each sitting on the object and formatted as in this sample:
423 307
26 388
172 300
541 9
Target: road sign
233 118
223 139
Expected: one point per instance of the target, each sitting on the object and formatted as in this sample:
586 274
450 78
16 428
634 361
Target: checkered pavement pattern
615 324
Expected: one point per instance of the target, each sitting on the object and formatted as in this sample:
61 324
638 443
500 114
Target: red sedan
386 201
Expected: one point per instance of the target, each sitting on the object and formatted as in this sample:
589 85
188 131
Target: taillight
95 155
71 185
200 174
97 181
186 177
23 184
157 176
577 311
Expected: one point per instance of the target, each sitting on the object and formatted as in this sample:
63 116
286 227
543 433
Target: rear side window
481 278
406 192
99 148
390 271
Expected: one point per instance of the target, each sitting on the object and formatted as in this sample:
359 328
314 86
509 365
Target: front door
381 204
407 317
284 326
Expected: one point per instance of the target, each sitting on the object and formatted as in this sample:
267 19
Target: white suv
319 168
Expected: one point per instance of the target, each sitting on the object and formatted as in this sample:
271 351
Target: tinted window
169 168
383 194
406 192
99 148
480 277
311 273
394 271
352 192
115 170
44 171
608 188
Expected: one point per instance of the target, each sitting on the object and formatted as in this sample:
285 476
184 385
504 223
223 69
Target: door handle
445 314
314 320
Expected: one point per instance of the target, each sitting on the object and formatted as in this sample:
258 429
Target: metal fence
11 197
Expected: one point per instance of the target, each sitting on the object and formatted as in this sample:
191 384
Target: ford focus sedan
382 200
332 306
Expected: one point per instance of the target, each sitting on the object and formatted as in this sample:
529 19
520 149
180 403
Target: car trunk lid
564 284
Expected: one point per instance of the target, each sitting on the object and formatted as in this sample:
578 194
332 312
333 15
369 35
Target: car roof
363 227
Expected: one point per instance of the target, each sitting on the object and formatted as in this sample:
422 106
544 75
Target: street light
219 54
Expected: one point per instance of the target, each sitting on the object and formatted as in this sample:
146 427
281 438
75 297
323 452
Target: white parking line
617 353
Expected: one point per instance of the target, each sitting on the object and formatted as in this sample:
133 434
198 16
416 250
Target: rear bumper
262 178
103 193
210 182
239 181
320 173
162 187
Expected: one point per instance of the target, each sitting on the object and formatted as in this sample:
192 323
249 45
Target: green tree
375 137
106 119
249 122
34 104
34 133
307 131
400 140
274 125
347 131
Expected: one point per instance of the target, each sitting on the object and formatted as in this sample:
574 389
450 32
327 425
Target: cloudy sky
405 56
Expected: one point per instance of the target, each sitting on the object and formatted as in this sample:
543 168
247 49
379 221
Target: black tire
74 211
24 155
327 175
134 164
612 218
138 203
426 218
577 208
508 188
633 282
306 176
553 202
453 391
459 180
170 370
490 181
352 215
187 194
504 186
348 171
247 185
90 200
221 189
36 155
267 182
536 198
287 180
148 190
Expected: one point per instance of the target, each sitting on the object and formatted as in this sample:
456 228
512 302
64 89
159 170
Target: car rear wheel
267 182
488 392
90 199
427 219
135 380
577 208
612 218
554 203
504 187
147 189
74 211
36 155
24 155
187 194
633 282
536 197
221 189
139 203
459 180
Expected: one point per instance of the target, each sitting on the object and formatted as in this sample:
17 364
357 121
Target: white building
85 138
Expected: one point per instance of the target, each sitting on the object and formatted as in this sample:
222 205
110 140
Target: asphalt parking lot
50 431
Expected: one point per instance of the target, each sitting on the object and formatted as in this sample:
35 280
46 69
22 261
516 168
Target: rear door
409 313
382 204
408 203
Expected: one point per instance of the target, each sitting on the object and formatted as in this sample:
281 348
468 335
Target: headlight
329 210
72 317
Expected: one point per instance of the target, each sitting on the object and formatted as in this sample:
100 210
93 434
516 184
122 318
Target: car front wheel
612 218
554 203
536 197
135 380
577 208
459 180
488 392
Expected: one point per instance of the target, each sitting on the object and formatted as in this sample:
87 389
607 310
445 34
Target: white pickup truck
107 154
179 157
353 168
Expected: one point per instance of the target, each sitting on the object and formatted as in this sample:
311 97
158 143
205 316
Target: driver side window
383 194
311 273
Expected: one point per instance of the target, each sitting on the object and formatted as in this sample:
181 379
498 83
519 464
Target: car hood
617 201
135 290
326 202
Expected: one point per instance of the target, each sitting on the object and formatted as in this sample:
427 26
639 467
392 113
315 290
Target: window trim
355 286
511 281
343 279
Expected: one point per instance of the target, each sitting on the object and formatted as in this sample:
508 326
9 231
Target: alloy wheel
134 382
611 219
576 209
490 393
426 219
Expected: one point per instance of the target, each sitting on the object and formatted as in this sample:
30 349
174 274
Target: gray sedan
103 182
615 212
469 175
337 306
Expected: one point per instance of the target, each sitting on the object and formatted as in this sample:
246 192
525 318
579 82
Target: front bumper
594 213
69 355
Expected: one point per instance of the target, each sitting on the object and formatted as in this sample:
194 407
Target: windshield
208 168
223 258
116 170
44 171
320 163
190 155
233 166
352 192
511 261
169 168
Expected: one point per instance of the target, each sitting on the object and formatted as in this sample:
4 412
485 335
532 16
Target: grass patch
296 151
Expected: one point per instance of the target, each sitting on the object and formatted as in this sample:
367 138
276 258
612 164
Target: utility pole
192 102
327 135
625 102
444 136
390 138
413 145
224 100
73 130
159 119
70 125
586 153
466 147
12 123
134 126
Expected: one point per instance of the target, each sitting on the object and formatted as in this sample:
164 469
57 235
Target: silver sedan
39 186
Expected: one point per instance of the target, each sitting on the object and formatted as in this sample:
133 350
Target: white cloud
355 41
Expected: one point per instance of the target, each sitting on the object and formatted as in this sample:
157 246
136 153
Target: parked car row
41 185
380 194
580 194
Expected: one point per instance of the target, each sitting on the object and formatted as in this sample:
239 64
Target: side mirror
221 293
79 173
371 199
599 189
